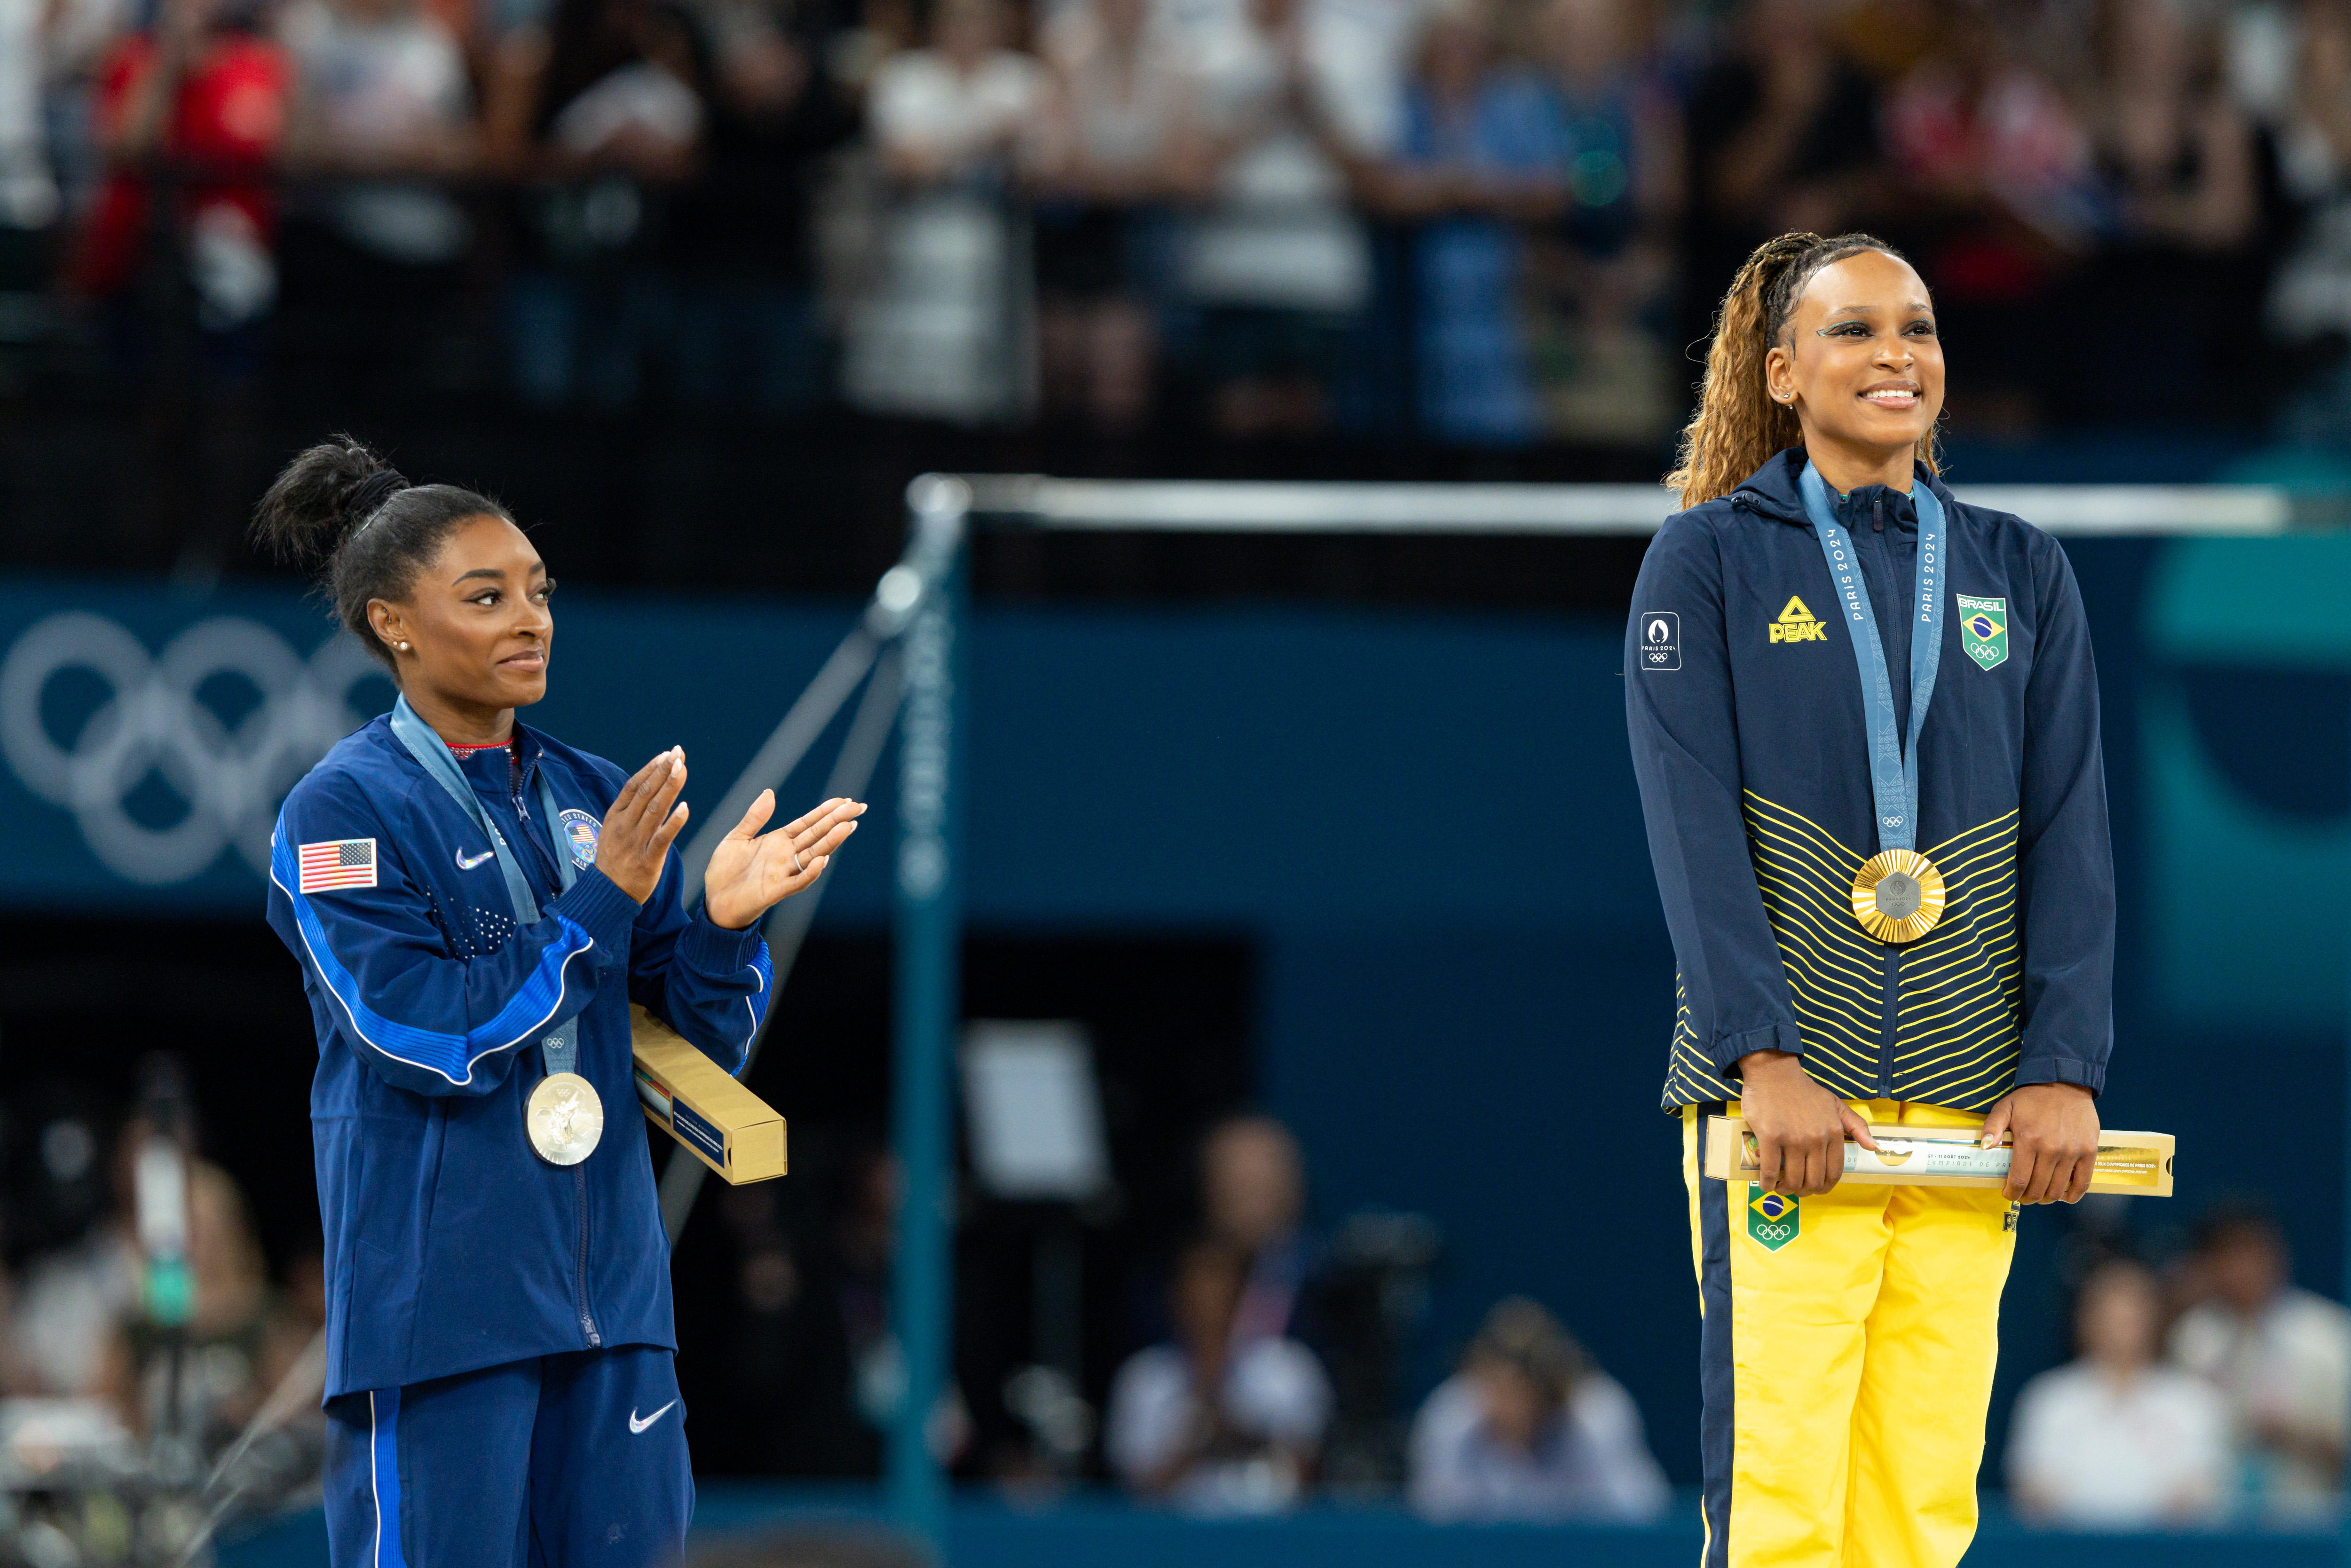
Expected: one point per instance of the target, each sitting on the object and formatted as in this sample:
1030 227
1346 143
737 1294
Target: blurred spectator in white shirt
382 92
1528 1429
28 194
1213 1425
2113 1438
2280 1356
943 332
961 108
1117 115
1296 105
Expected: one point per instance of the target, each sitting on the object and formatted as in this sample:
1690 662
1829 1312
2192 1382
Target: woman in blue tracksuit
474 906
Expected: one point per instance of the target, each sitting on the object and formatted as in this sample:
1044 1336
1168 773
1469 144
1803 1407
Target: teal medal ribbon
1897 896
565 1118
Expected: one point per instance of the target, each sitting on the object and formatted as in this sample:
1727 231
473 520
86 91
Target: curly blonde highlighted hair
1738 427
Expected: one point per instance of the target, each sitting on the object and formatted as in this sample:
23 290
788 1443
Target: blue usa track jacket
450 1246
1751 744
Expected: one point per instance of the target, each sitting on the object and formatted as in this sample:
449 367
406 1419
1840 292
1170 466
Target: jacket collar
492 768
1772 491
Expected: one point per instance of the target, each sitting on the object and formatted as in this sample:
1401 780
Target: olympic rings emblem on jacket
230 768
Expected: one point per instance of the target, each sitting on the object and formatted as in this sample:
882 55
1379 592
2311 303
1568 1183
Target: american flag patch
339 863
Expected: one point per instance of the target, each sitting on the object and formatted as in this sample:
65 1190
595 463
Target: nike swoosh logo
637 1426
467 862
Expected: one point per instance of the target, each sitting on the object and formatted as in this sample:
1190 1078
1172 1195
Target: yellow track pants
1846 1357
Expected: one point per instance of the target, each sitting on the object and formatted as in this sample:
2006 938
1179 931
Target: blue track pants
566 1461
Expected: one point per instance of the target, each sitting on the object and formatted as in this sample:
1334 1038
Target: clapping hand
750 872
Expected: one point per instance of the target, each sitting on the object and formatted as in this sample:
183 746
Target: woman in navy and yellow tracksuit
1864 722
474 906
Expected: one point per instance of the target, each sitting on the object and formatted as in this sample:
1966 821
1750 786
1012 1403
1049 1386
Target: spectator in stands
229 1344
1999 206
76 38
1528 1429
595 113
1215 1422
200 99
1602 270
2115 1440
2178 157
1480 155
2309 306
28 191
383 108
1783 137
2280 1356
68 1308
1118 119
750 338
943 333
1252 1198
1295 111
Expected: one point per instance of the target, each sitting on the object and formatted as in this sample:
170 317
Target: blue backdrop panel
1427 824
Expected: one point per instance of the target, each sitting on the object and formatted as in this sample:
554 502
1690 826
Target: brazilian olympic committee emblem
1983 628
1773 1219
579 830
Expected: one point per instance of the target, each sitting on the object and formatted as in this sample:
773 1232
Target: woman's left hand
750 874
2055 1126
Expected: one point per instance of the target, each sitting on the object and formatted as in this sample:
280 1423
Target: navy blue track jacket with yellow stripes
450 1246
1752 747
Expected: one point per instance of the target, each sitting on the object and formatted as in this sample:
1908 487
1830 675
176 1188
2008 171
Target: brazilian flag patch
1983 628
1773 1219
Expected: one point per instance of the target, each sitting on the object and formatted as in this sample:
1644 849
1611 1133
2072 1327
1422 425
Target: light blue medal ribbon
1899 894
560 1047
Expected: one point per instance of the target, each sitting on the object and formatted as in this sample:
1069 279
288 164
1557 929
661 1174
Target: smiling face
1859 361
475 621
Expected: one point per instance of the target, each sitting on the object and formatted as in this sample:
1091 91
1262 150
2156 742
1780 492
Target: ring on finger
797 868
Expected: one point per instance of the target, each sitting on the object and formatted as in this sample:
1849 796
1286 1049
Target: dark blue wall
1428 824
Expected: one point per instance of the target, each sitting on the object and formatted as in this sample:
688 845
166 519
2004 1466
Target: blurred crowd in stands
2209 1389
1488 223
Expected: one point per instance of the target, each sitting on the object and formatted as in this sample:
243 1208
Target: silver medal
566 1118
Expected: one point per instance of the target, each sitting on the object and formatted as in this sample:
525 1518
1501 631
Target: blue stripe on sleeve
765 968
450 1055
383 1470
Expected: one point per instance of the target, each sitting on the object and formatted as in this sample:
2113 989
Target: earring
403 647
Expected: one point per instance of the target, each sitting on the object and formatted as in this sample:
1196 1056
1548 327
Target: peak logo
1798 624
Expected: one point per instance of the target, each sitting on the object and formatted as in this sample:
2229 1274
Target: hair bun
315 502
369 496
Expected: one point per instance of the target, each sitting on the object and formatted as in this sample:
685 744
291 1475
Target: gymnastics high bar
912 638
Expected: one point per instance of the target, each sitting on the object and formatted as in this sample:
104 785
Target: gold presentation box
2136 1165
694 1101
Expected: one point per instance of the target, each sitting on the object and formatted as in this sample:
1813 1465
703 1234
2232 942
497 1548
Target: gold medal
566 1118
1897 896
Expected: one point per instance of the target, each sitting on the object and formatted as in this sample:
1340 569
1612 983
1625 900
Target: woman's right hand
634 840
1799 1127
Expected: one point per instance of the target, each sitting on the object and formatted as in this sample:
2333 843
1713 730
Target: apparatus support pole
927 1002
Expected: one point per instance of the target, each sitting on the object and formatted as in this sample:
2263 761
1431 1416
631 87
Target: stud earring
403 647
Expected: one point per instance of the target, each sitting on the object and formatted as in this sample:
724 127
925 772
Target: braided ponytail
1738 426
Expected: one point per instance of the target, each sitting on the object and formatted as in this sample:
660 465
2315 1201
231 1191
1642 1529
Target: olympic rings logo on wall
227 716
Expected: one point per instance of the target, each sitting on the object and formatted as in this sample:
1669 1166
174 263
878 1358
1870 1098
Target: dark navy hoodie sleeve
712 984
1684 736
423 1019
2066 857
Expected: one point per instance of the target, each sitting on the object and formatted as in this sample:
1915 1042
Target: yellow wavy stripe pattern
1957 1030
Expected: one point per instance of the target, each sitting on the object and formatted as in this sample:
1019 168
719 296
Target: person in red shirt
195 107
